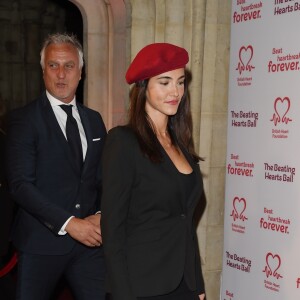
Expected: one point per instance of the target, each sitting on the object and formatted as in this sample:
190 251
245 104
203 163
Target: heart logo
245 56
239 205
281 107
273 263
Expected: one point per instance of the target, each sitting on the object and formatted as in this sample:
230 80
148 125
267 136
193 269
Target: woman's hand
201 297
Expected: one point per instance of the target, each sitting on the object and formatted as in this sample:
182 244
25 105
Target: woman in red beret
152 184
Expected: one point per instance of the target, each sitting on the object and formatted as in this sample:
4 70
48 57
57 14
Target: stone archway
104 42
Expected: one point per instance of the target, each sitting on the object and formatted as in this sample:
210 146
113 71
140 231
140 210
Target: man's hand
202 297
86 231
95 219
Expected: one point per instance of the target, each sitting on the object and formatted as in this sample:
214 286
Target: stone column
213 135
96 44
104 51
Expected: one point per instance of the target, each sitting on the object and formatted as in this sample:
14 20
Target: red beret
156 59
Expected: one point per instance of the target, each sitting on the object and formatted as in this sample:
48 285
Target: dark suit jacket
43 178
147 226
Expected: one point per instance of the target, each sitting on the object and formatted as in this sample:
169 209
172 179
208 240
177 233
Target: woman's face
164 93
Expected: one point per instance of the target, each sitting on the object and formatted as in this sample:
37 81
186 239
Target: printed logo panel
286 6
279 172
247 12
282 62
243 118
272 222
238 262
272 272
281 118
238 214
245 66
238 167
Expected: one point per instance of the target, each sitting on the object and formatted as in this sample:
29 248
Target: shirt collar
56 102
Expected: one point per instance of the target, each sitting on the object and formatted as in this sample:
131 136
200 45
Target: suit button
182 216
77 206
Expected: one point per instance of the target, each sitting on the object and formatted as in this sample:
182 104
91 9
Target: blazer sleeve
22 144
118 178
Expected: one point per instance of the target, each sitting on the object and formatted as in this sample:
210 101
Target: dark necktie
73 136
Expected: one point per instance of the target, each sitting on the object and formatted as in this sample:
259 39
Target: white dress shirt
61 117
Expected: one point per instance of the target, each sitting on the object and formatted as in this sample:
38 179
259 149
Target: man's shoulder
93 117
89 111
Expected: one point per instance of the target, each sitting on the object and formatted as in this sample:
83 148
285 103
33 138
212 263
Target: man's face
62 72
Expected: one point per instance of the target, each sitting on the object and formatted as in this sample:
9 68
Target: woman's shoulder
120 141
122 132
122 135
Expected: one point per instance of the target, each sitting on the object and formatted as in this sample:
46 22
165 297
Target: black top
149 237
186 184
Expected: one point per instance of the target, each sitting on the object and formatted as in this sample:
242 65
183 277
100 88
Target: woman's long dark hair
179 124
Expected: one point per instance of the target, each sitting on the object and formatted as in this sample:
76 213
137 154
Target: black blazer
147 226
43 178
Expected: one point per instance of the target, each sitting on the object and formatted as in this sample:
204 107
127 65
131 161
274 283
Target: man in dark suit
56 184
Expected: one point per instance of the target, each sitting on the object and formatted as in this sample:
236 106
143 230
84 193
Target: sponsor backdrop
261 256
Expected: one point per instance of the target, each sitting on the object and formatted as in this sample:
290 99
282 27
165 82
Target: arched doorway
24 25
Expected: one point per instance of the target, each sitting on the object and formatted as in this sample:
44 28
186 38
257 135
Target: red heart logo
282 107
245 55
239 205
273 262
